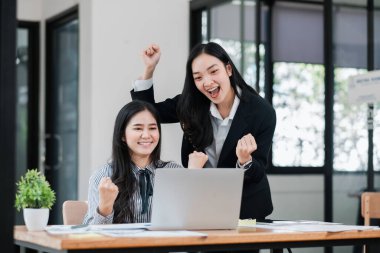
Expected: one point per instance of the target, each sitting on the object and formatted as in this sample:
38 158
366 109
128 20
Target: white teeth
213 89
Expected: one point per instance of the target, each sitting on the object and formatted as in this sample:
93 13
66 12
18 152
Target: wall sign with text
364 88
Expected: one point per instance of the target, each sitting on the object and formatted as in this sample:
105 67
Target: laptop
196 199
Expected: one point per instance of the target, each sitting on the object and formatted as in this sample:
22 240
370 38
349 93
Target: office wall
30 10
297 197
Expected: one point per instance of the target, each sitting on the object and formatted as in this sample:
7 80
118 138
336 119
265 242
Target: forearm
166 109
148 73
95 215
257 168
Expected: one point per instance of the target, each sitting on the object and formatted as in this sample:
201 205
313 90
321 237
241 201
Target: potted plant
35 196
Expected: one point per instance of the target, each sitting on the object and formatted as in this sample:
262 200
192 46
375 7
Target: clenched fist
245 147
151 56
197 160
108 192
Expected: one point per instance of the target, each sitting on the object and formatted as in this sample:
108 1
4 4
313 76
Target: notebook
185 199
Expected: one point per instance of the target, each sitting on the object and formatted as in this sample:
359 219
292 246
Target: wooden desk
241 239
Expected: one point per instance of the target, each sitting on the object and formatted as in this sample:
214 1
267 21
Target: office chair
73 211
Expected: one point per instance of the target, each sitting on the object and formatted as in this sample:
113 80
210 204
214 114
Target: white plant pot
36 219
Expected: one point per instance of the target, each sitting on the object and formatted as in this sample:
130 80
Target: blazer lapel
238 126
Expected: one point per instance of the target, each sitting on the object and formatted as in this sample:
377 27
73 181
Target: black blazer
254 115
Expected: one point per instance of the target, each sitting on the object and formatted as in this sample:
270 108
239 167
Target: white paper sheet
312 226
79 229
146 233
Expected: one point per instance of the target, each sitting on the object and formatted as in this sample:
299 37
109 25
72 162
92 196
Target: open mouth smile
214 92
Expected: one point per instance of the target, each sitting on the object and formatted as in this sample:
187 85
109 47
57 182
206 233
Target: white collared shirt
220 128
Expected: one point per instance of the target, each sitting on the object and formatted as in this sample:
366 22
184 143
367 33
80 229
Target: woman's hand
245 147
197 160
151 56
108 192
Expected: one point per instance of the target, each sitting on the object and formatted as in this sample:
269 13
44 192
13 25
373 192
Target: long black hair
121 163
193 107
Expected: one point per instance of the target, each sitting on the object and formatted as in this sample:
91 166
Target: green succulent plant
33 191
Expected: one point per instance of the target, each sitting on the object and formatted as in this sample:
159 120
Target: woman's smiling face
212 78
142 135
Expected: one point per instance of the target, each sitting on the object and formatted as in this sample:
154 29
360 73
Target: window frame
198 6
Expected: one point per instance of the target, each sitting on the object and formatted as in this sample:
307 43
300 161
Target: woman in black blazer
222 117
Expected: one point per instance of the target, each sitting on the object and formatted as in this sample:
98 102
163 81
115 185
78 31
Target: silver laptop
196 199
